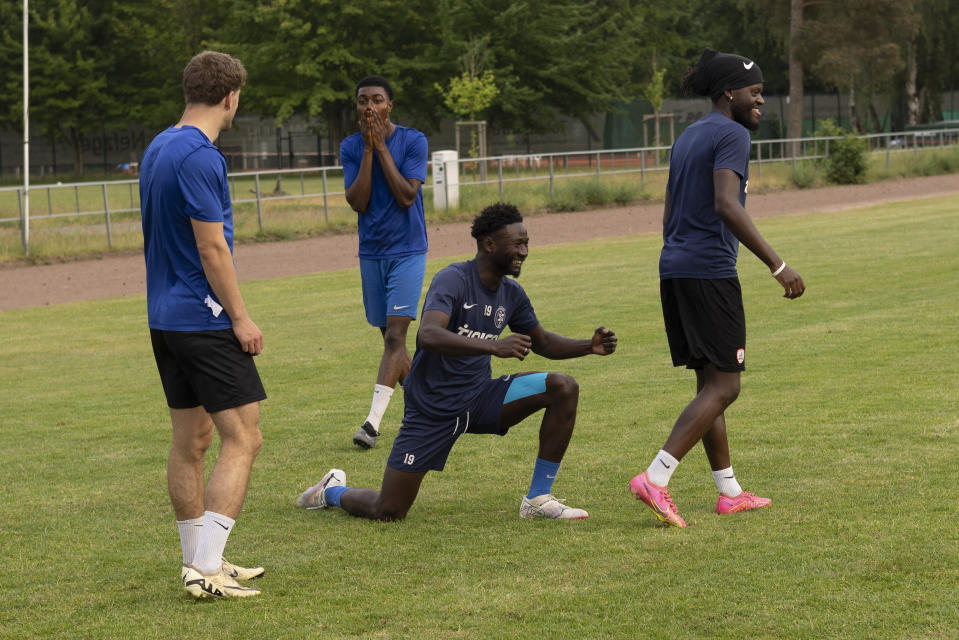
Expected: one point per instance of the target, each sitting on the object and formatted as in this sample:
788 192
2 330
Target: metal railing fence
113 198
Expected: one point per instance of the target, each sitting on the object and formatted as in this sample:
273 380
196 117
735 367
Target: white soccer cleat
237 572
546 506
314 497
215 586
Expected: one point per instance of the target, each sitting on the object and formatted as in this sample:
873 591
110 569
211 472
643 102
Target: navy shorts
392 287
705 322
206 368
424 443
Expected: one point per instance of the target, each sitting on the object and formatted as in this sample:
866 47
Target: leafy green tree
304 57
550 58
99 64
857 47
11 65
152 43
69 72
467 96
932 66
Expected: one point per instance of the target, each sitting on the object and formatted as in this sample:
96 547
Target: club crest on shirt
500 318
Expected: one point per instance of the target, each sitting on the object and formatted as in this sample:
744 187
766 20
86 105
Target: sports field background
848 418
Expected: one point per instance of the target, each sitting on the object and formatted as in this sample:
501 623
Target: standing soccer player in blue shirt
384 167
449 390
203 338
704 221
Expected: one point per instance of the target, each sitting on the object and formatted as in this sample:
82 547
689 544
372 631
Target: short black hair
374 81
493 218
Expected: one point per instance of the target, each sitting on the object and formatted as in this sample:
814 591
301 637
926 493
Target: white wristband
779 270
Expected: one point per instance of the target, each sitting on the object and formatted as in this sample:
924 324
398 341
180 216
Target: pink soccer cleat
656 498
745 501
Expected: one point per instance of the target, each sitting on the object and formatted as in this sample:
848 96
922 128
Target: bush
582 194
806 175
846 162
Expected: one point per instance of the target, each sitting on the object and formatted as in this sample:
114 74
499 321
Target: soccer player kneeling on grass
449 390
704 221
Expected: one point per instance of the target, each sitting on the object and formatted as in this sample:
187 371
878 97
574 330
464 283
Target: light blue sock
544 473
332 495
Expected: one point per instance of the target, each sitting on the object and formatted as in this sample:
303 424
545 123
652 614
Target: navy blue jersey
696 242
441 386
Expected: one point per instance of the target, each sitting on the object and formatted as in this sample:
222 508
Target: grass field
848 419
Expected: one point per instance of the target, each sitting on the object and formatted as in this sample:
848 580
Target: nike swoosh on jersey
469 306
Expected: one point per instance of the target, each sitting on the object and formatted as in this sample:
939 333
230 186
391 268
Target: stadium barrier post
259 202
551 178
326 206
499 170
23 227
106 211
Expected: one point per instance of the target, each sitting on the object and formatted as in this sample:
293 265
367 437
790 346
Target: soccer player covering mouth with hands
384 167
449 390
704 221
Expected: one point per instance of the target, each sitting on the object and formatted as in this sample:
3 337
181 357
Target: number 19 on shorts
408 458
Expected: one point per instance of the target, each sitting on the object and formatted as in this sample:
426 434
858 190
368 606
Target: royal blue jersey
439 386
182 178
696 242
386 230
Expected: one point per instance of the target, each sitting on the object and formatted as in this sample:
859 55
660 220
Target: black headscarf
717 72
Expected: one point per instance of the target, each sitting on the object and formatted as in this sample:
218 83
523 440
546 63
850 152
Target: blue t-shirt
182 177
441 386
387 230
696 242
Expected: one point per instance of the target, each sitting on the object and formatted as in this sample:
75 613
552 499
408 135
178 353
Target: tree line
102 64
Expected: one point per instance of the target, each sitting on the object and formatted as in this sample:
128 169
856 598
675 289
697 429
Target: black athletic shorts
206 368
705 322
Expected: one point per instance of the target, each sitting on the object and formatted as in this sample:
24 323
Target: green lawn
848 418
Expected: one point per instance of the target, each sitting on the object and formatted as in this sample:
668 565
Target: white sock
661 469
208 558
726 482
189 535
381 400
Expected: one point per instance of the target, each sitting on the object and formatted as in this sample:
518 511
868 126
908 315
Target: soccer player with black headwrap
704 221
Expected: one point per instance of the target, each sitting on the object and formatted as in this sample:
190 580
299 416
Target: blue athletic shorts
392 287
424 443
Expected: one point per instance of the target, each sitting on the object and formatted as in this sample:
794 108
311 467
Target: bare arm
726 186
217 264
358 193
434 335
556 347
